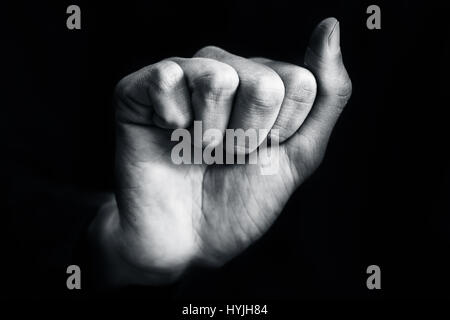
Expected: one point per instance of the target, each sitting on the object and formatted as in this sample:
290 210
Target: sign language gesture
167 217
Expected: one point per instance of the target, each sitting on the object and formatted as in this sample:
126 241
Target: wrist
113 252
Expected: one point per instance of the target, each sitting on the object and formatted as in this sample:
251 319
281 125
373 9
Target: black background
380 197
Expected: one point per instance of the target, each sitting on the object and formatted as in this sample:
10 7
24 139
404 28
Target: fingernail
334 38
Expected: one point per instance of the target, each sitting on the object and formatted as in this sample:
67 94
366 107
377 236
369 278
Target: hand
169 217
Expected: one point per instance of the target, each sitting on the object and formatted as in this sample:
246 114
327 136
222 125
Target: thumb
324 59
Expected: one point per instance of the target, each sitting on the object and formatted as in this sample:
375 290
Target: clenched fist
167 217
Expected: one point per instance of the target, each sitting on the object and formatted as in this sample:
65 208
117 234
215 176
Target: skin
166 218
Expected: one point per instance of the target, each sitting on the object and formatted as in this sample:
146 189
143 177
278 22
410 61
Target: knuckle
123 88
267 90
300 84
165 75
208 51
124 98
339 87
346 88
175 120
219 82
342 90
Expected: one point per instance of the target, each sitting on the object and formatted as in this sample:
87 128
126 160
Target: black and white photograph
226 159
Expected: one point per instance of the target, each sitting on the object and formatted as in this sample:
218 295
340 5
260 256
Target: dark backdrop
380 197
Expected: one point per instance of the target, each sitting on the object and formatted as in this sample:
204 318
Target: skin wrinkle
173 79
239 238
260 230
245 209
202 216
134 110
263 104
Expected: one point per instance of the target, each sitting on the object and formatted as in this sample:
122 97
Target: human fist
167 217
